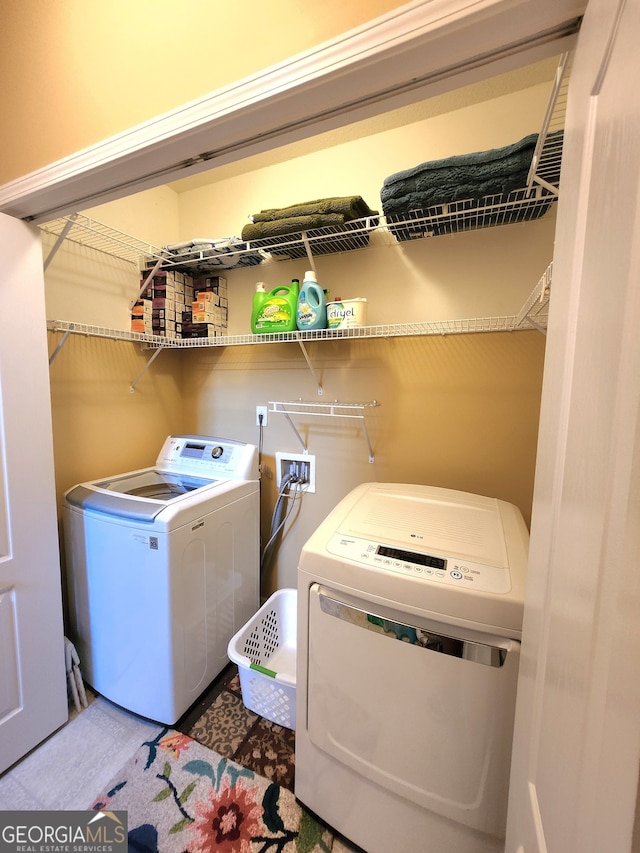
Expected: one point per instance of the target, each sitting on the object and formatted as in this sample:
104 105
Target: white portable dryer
162 569
410 604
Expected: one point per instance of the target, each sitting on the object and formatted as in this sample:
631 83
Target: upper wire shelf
217 255
90 232
519 206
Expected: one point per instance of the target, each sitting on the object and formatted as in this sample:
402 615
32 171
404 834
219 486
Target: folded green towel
291 225
350 207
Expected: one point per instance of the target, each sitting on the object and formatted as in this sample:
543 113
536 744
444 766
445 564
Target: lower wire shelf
435 327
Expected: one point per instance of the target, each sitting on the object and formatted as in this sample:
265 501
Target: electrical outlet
261 410
299 465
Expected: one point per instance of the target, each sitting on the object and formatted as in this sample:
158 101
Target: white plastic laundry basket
265 653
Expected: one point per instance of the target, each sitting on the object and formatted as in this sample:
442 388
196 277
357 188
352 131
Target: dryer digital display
412 557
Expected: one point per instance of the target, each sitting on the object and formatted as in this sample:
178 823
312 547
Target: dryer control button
456 574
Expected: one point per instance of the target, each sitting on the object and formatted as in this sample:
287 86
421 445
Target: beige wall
75 72
457 411
101 428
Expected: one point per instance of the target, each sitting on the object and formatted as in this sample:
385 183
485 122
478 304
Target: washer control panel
208 456
437 568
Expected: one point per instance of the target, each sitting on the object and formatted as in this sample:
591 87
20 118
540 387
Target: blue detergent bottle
312 305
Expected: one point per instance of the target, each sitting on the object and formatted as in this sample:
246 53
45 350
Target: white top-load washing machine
410 604
162 569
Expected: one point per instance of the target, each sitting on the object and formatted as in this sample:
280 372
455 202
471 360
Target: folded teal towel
465 176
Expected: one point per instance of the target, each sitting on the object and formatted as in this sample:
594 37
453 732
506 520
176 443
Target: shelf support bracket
278 407
60 240
310 366
372 458
307 247
305 449
132 387
536 325
147 280
61 343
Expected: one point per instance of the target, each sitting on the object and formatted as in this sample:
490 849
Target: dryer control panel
430 567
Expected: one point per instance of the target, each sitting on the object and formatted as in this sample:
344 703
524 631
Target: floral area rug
225 725
182 797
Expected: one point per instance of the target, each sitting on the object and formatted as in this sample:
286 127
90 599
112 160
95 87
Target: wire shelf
352 235
519 206
530 202
547 157
535 311
335 409
90 232
393 330
211 256
217 255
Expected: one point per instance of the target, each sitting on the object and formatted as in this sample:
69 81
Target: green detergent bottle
258 300
275 311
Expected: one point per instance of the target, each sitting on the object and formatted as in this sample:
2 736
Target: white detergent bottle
312 304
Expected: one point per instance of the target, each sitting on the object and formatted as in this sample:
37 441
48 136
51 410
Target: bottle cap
260 288
310 276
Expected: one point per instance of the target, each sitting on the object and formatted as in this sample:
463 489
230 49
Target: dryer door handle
492 653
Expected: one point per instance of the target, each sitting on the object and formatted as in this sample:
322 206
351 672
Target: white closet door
577 740
33 695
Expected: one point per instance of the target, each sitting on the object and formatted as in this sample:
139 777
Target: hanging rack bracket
328 410
132 387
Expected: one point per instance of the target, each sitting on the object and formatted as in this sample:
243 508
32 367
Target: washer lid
140 495
154 484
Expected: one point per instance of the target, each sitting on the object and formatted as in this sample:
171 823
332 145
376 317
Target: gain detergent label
275 312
